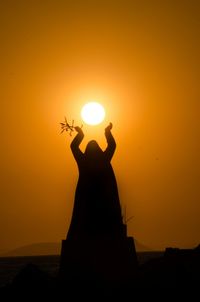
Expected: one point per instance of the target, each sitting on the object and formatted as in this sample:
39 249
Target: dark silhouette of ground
175 272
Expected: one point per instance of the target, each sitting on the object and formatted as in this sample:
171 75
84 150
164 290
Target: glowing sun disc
93 113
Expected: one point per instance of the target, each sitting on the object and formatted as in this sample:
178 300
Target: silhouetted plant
65 126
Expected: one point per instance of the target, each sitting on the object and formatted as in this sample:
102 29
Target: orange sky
140 59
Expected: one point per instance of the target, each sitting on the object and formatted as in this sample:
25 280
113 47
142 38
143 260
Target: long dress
97 208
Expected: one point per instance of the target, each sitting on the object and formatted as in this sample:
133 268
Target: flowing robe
97 208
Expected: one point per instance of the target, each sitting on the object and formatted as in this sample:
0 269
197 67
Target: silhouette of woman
97 208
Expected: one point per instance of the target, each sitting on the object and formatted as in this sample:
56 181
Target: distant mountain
140 247
36 249
52 248
3 251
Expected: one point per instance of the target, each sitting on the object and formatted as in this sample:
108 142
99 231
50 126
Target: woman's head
93 149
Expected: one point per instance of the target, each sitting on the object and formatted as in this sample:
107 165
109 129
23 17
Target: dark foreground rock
177 271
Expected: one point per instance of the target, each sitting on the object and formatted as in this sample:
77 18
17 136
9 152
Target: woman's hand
78 129
109 127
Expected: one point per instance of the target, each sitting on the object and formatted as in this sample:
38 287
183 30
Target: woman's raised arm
111 142
78 154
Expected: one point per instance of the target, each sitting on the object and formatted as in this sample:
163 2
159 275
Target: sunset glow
137 59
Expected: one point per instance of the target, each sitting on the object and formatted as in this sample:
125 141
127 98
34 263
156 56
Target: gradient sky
140 59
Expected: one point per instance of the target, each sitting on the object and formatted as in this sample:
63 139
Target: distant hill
140 247
35 249
51 248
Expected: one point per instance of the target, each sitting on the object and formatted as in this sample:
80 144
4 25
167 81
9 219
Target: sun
93 113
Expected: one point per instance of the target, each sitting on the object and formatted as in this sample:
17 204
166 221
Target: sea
11 266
